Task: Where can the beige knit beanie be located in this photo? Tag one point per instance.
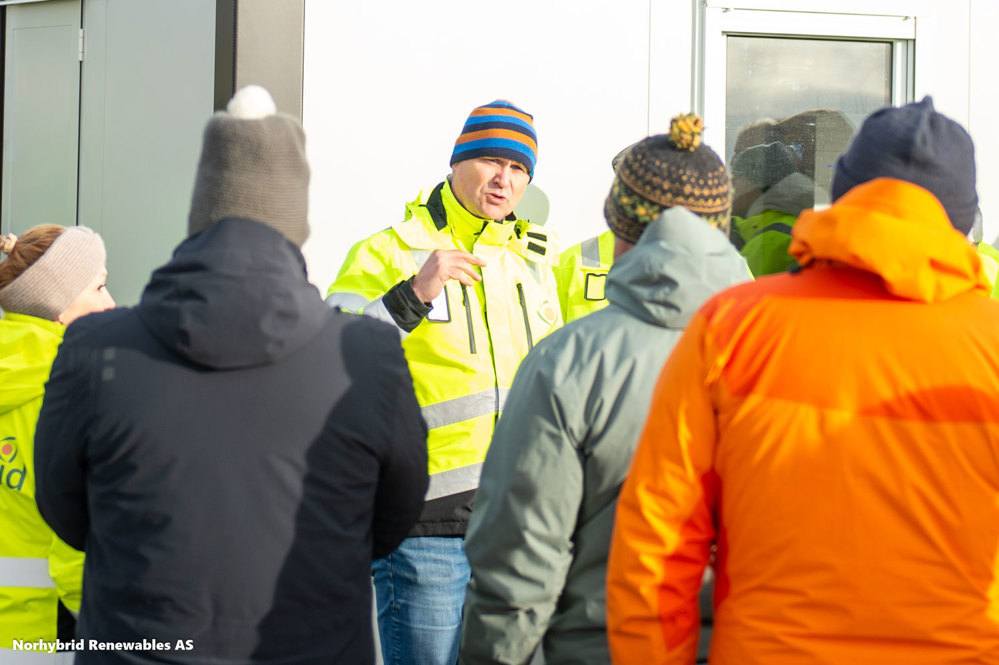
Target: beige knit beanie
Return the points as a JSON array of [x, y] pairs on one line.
[[253, 165], [49, 285]]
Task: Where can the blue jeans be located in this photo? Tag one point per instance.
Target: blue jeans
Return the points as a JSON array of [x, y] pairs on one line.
[[420, 590]]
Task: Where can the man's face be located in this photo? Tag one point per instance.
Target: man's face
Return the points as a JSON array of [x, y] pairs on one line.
[[489, 187]]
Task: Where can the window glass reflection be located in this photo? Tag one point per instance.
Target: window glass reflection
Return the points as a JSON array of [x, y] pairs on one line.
[[792, 106]]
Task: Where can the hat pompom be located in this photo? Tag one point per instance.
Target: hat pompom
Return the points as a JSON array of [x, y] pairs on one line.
[[685, 131], [251, 103]]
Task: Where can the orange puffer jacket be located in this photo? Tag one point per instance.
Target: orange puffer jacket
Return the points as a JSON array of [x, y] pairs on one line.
[[834, 434]]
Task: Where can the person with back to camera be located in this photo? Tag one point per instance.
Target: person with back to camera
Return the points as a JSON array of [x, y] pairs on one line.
[[833, 432], [538, 536], [232, 452], [50, 277]]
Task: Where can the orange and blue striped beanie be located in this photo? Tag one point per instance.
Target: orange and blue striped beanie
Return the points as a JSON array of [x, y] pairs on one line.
[[498, 129]]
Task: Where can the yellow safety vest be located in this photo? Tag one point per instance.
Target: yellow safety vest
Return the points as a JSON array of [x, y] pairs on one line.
[[464, 354], [36, 568], [990, 261], [582, 274]]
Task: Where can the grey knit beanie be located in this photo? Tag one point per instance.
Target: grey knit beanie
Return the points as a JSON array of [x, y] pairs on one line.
[[49, 285], [253, 165], [916, 144]]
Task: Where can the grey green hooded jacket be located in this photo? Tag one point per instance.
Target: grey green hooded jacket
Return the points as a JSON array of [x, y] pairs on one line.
[[540, 530]]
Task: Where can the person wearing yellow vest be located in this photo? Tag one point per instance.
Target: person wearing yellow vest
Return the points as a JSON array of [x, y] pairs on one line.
[[51, 276], [582, 269], [581, 275], [471, 289]]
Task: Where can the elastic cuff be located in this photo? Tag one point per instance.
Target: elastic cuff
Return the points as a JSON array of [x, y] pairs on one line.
[[405, 306]]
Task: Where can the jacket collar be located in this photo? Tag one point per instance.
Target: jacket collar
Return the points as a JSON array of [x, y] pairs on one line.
[[898, 231], [422, 229], [678, 262], [468, 228]]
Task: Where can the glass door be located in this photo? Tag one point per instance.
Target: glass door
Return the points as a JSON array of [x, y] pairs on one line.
[[784, 92]]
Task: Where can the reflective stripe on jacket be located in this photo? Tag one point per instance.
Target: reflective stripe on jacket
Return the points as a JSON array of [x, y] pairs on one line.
[[36, 568], [582, 274], [464, 354], [833, 434]]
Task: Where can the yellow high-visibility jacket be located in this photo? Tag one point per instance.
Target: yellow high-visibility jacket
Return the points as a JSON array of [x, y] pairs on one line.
[[36, 568], [581, 275], [463, 355]]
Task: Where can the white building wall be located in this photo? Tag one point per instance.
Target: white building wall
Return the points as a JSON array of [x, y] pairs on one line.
[[983, 103], [388, 85]]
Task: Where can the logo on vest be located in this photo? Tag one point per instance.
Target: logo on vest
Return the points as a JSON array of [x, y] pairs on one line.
[[11, 475], [547, 313]]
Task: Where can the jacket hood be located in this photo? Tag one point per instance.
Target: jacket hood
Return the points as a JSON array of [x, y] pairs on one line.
[[789, 195], [233, 296], [678, 263], [900, 232], [28, 346]]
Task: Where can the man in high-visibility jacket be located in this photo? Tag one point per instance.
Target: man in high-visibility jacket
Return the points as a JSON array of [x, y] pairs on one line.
[[471, 289]]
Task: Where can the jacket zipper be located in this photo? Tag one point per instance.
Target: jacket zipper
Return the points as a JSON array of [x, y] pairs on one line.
[[468, 318], [527, 319]]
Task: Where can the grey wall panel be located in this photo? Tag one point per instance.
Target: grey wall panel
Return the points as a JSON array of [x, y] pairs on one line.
[[41, 111], [269, 49], [148, 89]]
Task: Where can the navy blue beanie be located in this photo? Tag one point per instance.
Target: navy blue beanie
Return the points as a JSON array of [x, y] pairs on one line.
[[916, 144]]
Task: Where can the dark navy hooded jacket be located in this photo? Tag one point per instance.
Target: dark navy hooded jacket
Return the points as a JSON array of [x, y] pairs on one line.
[[231, 454]]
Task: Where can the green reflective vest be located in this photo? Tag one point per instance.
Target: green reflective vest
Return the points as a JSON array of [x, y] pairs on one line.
[[581, 275], [464, 354], [36, 568], [763, 240]]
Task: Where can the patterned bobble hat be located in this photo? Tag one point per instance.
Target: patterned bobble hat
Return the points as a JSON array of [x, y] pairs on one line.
[[498, 129], [664, 171]]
